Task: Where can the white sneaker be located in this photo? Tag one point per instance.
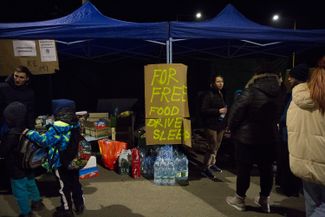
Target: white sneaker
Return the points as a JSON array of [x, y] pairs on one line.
[[264, 203], [237, 202]]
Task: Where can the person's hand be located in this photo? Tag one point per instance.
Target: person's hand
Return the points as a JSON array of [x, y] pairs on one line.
[[25, 131], [227, 133], [223, 110]]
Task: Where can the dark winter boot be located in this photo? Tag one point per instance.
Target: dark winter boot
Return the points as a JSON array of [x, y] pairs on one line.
[[60, 212], [37, 205], [30, 214]]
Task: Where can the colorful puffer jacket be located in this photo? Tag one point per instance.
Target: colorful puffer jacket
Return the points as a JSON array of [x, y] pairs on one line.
[[306, 136], [56, 139]]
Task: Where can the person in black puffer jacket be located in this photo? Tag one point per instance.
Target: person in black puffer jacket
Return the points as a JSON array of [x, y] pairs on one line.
[[213, 110], [253, 122], [23, 183]]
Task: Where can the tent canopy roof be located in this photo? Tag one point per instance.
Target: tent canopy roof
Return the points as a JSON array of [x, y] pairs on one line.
[[88, 33], [85, 23], [230, 34], [231, 24]]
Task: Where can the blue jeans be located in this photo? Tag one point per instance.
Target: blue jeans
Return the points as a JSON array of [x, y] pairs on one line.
[[25, 190], [314, 199]]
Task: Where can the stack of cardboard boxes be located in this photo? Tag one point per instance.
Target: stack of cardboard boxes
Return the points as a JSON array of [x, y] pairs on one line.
[[97, 125]]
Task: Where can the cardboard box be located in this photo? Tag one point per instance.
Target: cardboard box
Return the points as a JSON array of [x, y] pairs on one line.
[[92, 131], [91, 127], [96, 116]]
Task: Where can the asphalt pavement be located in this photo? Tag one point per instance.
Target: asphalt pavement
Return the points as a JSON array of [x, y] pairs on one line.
[[114, 195]]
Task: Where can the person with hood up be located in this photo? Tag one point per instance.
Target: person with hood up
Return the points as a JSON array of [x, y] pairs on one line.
[[253, 122], [61, 151], [306, 139], [23, 183], [289, 184]]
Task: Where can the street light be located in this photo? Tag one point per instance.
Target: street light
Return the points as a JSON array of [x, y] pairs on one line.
[[197, 16], [276, 17]]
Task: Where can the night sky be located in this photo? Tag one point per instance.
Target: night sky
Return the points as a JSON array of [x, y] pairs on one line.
[[307, 14]]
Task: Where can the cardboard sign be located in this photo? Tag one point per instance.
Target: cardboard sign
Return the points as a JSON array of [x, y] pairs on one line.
[[166, 104], [168, 131], [39, 56], [166, 91]]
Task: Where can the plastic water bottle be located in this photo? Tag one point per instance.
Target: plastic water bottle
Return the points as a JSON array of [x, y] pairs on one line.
[[157, 172], [164, 172], [184, 168], [222, 115], [171, 172], [114, 123], [178, 171]]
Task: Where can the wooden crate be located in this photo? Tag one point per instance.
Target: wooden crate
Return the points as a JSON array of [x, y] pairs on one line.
[[92, 131]]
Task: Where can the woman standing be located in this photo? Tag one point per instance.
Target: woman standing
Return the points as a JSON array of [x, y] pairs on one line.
[[213, 110], [306, 139]]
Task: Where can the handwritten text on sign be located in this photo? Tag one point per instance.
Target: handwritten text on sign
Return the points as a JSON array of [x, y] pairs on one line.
[[168, 131], [166, 91], [166, 104]]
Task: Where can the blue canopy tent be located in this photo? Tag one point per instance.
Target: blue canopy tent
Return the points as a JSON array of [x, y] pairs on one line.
[[230, 34], [88, 33]]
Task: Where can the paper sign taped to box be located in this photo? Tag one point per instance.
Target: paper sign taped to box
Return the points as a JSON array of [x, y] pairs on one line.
[[168, 131], [40, 56], [166, 91]]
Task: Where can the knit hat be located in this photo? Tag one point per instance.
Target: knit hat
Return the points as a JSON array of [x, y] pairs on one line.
[[67, 115], [64, 110], [15, 114], [300, 72], [58, 104]]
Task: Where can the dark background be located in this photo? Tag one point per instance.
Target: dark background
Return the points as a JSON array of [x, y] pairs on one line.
[[307, 14], [85, 81]]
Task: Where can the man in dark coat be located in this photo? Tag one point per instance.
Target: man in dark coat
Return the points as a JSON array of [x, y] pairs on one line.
[[253, 122], [15, 88]]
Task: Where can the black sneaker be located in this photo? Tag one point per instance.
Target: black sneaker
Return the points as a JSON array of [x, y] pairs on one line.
[[37, 205], [215, 168], [60, 212], [208, 173], [79, 210]]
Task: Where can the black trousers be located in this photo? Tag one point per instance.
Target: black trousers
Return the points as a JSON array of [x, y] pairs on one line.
[[243, 177], [70, 188], [248, 154], [289, 184]]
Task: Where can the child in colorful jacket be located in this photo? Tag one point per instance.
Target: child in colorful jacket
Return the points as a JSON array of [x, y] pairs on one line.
[[61, 151]]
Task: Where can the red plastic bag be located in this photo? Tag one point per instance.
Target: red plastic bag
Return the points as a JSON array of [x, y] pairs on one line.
[[110, 150]]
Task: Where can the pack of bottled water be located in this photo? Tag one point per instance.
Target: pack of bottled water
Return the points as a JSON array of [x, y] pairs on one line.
[[170, 166]]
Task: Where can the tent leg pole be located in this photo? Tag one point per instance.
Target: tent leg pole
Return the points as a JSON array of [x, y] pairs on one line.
[[167, 51], [170, 50]]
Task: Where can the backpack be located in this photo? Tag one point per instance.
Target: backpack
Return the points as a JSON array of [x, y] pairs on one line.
[[77, 154], [30, 155]]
